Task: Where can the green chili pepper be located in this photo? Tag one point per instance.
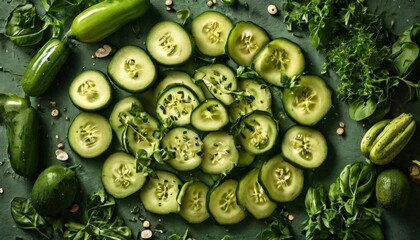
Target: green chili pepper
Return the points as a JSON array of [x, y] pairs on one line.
[[22, 124], [104, 18], [24, 27]]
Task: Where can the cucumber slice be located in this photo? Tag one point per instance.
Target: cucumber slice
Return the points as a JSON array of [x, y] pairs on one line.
[[141, 133], [245, 40], [252, 196], [309, 101], [90, 90], [210, 31], [281, 180], [279, 59], [132, 69], [223, 205], [177, 78], [119, 175], [210, 115], [175, 106], [257, 132], [159, 195], [168, 43], [89, 134], [220, 153], [245, 158], [217, 81], [304, 146], [257, 96], [186, 146], [194, 202]]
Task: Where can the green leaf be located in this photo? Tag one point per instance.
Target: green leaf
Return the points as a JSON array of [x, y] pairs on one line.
[[360, 109], [26, 217], [24, 27], [405, 51]]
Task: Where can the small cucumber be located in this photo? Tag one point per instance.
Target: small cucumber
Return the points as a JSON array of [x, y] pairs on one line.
[[44, 67], [102, 19]]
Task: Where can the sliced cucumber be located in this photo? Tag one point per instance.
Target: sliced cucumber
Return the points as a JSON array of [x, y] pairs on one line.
[[210, 31], [245, 40], [194, 202], [90, 90], [175, 106], [245, 158], [186, 146], [278, 60], [89, 134], [177, 78], [132, 69], [309, 101], [210, 115], [168, 43], [256, 96], [218, 81], [223, 205], [121, 110], [220, 153], [304, 146], [282, 181], [257, 132], [141, 133], [119, 175], [159, 195], [252, 196]]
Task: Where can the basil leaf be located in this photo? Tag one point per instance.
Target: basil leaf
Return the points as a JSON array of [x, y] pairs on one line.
[[24, 27], [360, 109], [26, 217], [405, 51]]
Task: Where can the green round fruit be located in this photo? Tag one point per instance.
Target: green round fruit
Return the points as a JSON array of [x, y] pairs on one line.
[[54, 190], [392, 189]]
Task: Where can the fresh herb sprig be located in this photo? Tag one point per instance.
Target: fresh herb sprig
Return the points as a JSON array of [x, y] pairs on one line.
[[357, 48]]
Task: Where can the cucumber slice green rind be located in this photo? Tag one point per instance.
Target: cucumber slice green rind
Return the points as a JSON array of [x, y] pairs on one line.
[[90, 91], [89, 134], [279, 58], [168, 43], [210, 31], [132, 69], [194, 202], [119, 175], [245, 40], [281, 180], [252, 196], [223, 205], [187, 147], [210, 115], [304, 146], [159, 195]]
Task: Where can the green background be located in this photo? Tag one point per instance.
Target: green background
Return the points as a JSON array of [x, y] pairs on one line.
[[397, 15]]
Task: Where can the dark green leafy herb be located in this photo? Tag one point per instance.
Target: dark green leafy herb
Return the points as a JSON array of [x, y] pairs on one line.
[[341, 213], [24, 27], [99, 220], [359, 52], [176, 236], [405, 51], [26, 217], [277, 228]]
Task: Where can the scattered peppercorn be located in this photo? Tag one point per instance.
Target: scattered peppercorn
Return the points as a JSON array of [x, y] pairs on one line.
[[146, 234], [55, 112], [272, 9]]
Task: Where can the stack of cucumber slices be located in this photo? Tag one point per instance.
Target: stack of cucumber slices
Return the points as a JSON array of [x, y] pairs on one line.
[[207, 123]]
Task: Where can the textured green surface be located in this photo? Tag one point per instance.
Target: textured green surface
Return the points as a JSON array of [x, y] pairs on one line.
[[401, 224]]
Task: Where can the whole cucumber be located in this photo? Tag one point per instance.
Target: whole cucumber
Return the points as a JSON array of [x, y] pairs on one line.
[[102, 19], [44, 67], [386, 139], [22, 124]]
